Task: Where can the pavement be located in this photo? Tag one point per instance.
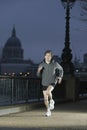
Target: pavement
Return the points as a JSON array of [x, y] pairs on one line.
[[65, 116]]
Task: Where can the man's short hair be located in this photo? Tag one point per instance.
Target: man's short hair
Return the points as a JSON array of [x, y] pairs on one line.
[[48, 51]]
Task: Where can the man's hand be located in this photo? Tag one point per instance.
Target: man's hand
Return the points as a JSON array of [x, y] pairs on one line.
[[59, 80], [39, 69]]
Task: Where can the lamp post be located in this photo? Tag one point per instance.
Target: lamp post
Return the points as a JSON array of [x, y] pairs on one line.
[[66, 54]]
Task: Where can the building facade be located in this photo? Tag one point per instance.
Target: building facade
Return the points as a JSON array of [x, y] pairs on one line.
[[12, 57]]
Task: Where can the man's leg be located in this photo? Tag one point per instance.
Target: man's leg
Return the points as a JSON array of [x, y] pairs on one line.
[[49, 92], [46, 102]]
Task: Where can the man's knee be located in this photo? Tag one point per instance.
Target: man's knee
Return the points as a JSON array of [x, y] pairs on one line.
[[47, 92], [50, 88], [46, 100]]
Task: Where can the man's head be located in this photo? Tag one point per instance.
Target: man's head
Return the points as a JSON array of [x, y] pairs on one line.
[[48, 56]]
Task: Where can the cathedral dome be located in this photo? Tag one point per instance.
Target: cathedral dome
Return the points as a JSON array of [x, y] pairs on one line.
[[12, 51], [13, 41]]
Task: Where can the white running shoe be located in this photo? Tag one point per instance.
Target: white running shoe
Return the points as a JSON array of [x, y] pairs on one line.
[[52, 102], [48, 113]]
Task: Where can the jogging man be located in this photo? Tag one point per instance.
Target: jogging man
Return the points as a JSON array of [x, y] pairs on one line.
[[51, 73]]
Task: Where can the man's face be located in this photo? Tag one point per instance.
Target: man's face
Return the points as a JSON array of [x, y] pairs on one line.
[[48, 57]]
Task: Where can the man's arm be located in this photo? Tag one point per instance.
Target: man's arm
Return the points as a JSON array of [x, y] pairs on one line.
[[39, 71], [59, 80], [59, 73]]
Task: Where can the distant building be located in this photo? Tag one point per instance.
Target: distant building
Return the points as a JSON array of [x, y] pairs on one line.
[[57, 58], [85, 58], [12, 58], [76, 62], [12, 51]]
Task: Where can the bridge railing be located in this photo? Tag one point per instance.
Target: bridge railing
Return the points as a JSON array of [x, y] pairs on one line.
[[19, 89], [24, 89]]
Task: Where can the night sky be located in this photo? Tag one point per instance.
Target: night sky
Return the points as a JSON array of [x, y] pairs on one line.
[[40, 25]]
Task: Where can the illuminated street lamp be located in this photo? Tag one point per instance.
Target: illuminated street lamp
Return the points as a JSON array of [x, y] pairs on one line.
[[67, 55]]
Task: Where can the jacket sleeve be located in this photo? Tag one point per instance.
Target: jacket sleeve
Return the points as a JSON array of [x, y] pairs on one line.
[[39, 73], [59, 70]]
